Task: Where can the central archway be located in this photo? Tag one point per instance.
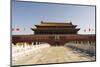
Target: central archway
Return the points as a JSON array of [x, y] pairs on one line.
[[56, 43]]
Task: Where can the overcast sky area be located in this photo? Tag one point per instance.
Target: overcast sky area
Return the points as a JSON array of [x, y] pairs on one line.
[[26, 14]]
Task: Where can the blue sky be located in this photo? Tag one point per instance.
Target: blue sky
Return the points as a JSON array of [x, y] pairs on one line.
[[26, 14]]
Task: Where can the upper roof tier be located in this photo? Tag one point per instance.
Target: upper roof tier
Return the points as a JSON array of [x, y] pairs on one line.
[[55, 24]]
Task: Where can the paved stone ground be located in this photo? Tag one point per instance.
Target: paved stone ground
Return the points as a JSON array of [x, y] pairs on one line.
[[53, 54]]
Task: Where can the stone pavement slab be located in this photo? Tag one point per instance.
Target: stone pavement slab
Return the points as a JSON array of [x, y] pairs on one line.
[[54, 54]]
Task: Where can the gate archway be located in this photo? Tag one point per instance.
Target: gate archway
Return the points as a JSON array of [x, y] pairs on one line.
[[56, 43]]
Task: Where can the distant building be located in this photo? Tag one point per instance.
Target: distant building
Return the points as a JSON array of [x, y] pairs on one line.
[[55, 28]]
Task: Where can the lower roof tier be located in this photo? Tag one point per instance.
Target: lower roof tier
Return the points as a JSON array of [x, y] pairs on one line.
[[50, 29]]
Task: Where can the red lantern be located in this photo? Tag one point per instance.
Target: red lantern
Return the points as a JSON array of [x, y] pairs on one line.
[[17, 29], [12, 29], [92, 29], [85, 30], [89, 29]]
